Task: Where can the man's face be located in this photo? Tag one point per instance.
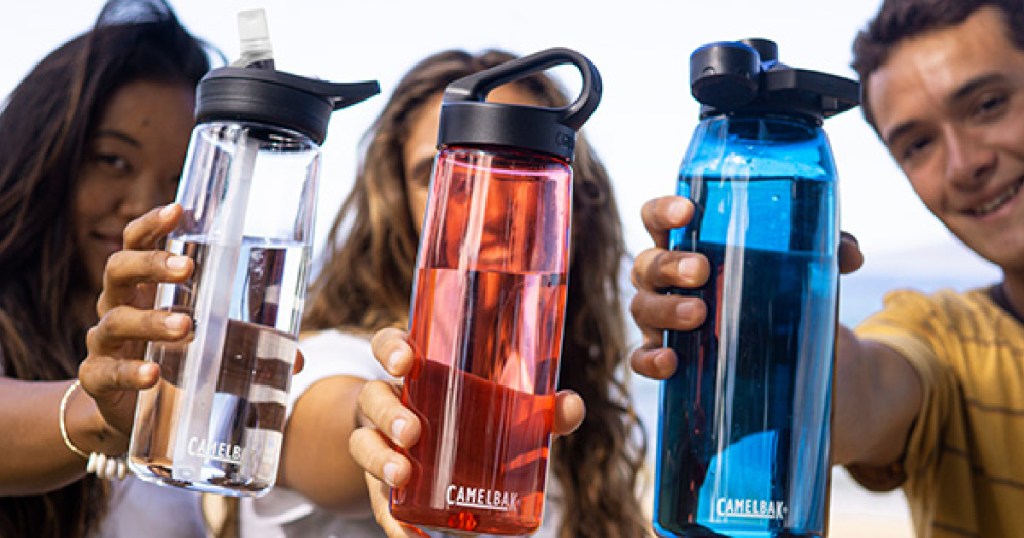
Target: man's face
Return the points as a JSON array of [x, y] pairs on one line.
[[949, 105]]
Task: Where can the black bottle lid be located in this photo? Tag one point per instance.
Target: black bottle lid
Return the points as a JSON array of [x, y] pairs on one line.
[[276, 98], [467, 119], [746, 76]]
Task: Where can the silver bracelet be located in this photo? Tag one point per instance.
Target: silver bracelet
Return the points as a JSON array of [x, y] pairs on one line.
[[106, 467]]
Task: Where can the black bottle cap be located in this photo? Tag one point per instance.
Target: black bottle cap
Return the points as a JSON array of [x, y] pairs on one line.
[[467, 119], [746, 76], [276, 98]]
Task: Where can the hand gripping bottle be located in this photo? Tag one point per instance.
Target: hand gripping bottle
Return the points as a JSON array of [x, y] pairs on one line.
[[213, 422], [743, 433], [488, 304]]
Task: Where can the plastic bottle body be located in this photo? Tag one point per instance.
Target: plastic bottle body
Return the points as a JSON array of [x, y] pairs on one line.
[[486, 328], [744, 428], [213, 422]]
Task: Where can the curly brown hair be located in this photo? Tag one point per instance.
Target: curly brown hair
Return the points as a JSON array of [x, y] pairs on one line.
[[366, 283]]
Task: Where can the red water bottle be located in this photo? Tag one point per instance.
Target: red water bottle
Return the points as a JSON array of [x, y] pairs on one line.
[[489, 302]]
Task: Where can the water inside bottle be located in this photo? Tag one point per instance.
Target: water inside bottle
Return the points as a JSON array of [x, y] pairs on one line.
[[240, 448], [743, 444], [487, 344]]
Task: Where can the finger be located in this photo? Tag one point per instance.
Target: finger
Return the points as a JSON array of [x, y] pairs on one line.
[[380, 495], [392, 351], [657, 268], [663, 214], [657, 363], [376, 457], [300, 362], [126, 324], [126, 269], [656, 311], [378, 403], [850, 256], [105, 377], [569, 412], [146, 232]]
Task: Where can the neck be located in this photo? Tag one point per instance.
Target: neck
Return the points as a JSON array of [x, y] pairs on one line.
[[1013, 287]]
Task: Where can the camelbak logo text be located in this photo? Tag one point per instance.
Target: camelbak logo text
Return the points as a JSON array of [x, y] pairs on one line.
[[487, 499], [750, 508], [212, 450]]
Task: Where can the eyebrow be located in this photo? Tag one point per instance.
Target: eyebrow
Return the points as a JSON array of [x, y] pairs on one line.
[[118, 135], [966, 89]]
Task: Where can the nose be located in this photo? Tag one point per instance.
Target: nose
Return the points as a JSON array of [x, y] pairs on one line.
[[141, 195], [969, 161]]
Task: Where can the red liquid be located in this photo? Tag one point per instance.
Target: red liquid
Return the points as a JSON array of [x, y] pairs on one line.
[[487, 321]]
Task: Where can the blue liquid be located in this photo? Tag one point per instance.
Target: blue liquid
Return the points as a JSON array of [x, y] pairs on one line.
[[743, 445]]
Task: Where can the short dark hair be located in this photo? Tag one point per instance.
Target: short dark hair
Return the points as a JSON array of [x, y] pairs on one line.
[[898, 20]]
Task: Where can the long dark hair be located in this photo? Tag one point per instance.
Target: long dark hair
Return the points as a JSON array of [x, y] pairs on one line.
[[898, 20], [366, 283], [45, 126]]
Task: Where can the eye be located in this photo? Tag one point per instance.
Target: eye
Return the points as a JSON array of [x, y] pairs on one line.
[[112, 162], [914, 146], [989, 107]]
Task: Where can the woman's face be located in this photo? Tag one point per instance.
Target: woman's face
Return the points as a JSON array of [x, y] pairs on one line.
[[421, 146], [132, 163]]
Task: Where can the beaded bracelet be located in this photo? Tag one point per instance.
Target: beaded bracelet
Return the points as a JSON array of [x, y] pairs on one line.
[[106, 467]]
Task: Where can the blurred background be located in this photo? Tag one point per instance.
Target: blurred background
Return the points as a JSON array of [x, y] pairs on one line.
[[640, 130]]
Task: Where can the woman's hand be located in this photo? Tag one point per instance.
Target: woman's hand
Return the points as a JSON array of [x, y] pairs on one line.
[[113, 371], [658, 268], [385, 419]]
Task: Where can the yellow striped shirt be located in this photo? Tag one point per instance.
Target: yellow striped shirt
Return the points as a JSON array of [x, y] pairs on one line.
[[963, 468]]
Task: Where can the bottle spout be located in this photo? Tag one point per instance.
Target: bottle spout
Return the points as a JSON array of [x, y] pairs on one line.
[[254, 40]]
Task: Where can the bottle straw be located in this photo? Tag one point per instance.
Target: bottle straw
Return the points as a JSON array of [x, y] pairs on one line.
[[213, 302]]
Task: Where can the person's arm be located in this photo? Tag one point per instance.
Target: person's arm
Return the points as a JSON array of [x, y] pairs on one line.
[[35, 459], [877, 393], [315, 460], [878, 396]]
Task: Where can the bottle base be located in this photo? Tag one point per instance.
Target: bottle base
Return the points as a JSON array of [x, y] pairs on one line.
[[220, 485], [464, 523], [699, 531]]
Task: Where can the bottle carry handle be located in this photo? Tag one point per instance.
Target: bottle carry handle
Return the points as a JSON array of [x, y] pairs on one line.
[[477, 86]]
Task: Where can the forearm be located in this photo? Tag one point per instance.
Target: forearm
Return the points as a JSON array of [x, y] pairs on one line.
[[316, 461], [35, 458], [877, 398]]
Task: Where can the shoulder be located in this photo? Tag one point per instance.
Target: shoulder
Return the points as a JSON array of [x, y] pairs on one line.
[[944, 310], [331, 352], [333, 341]]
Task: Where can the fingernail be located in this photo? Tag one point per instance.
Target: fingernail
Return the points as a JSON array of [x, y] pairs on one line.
[[397, 427], [167, 211], [393, 360], [175, 321], [177, 263], [148, 368], [688, 266], [390, 470], [676, 210], [684, 310]]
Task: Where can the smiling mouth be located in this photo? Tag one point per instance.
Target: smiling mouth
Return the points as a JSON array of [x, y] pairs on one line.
[[998, 201]]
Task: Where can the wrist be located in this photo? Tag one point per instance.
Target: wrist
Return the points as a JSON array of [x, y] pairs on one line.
[[87, 430]]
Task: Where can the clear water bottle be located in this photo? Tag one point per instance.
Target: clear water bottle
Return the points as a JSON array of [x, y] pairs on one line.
[[214, 421], [744, 423], [488, 305]]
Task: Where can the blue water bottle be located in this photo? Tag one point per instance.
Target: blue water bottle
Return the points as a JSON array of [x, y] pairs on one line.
[[743, 434]]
